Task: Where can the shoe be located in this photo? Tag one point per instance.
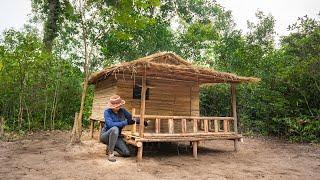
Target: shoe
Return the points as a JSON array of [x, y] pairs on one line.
[[111, 157]]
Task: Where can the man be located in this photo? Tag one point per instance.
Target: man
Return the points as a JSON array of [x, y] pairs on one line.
[[116, 117]]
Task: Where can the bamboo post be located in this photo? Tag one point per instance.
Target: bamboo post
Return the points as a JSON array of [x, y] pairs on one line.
[[206, 125], [216, 126], [157, 125], [100, 128], [171, 126], [183, 125], [143, 106], [234, 114], [91, 128], [225, 125], [134, 126], [195, 149], [195, 125], [139, 154]]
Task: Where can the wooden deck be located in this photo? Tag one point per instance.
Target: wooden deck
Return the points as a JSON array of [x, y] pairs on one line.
[[204, 129]]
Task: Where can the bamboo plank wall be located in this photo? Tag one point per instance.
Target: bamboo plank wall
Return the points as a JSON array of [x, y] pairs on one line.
[[102, 92], [165, 98]]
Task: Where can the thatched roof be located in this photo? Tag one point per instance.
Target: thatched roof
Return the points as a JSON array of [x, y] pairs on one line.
[[171, 66]]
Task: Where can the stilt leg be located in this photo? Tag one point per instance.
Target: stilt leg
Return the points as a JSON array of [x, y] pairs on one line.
[[139, 154], [195, 149], [100, 128], [236, 145]]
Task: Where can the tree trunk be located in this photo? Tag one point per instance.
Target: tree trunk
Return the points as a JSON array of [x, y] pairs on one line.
[[1, 127], [76, 130]]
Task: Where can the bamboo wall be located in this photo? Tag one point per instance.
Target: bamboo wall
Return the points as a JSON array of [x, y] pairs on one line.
[[165, 98], [102, 92]]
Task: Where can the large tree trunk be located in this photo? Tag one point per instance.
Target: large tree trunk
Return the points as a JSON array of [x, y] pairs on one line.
[[51, 24]]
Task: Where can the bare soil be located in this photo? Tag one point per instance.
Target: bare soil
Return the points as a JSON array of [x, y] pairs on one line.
[[47, 155]]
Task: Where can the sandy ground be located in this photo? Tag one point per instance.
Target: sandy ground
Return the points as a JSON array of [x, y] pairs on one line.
[[47, 155]]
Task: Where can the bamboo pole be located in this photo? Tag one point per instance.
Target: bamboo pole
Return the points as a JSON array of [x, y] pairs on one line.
[[234, 107], [134, 126], [216, 126], [171, 126], [195, 149], [143, 105], [183, 125], [206, 125], [195, 125], [91, 128], [157, 125], [234, 114]]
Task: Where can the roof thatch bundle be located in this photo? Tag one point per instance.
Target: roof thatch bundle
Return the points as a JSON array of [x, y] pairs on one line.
[[169, 66]]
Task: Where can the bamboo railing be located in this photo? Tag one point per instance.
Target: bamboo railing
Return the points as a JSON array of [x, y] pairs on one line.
[[201, 125]]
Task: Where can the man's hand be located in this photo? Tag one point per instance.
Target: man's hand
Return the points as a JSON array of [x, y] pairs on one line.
[[130, 121]]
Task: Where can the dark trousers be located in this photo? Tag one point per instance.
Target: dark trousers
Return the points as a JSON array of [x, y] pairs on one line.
[[113, 140]]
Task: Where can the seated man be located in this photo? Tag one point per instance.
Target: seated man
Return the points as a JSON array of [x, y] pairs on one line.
[[116, 117]]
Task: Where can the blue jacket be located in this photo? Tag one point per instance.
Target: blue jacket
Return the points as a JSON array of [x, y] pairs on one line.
[[119, 120]]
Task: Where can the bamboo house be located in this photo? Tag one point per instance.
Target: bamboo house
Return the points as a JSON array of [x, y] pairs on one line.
[[163, 88]]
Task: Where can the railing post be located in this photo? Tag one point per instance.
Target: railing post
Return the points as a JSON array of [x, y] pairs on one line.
[[216, 126], [134, 126], [157, 125], [206, 125], [195, 125], [171, 126], [183, 125]]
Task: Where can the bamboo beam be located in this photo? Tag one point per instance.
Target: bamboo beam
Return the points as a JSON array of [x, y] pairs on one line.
[[143, 106], [157, 125], [171, 126], [183, 125], [211, 118]]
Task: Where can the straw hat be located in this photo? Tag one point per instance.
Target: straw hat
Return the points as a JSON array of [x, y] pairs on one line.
[[115, 101]]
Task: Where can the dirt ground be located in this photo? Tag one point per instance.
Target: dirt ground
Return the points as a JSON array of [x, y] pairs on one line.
[[47, 155]]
